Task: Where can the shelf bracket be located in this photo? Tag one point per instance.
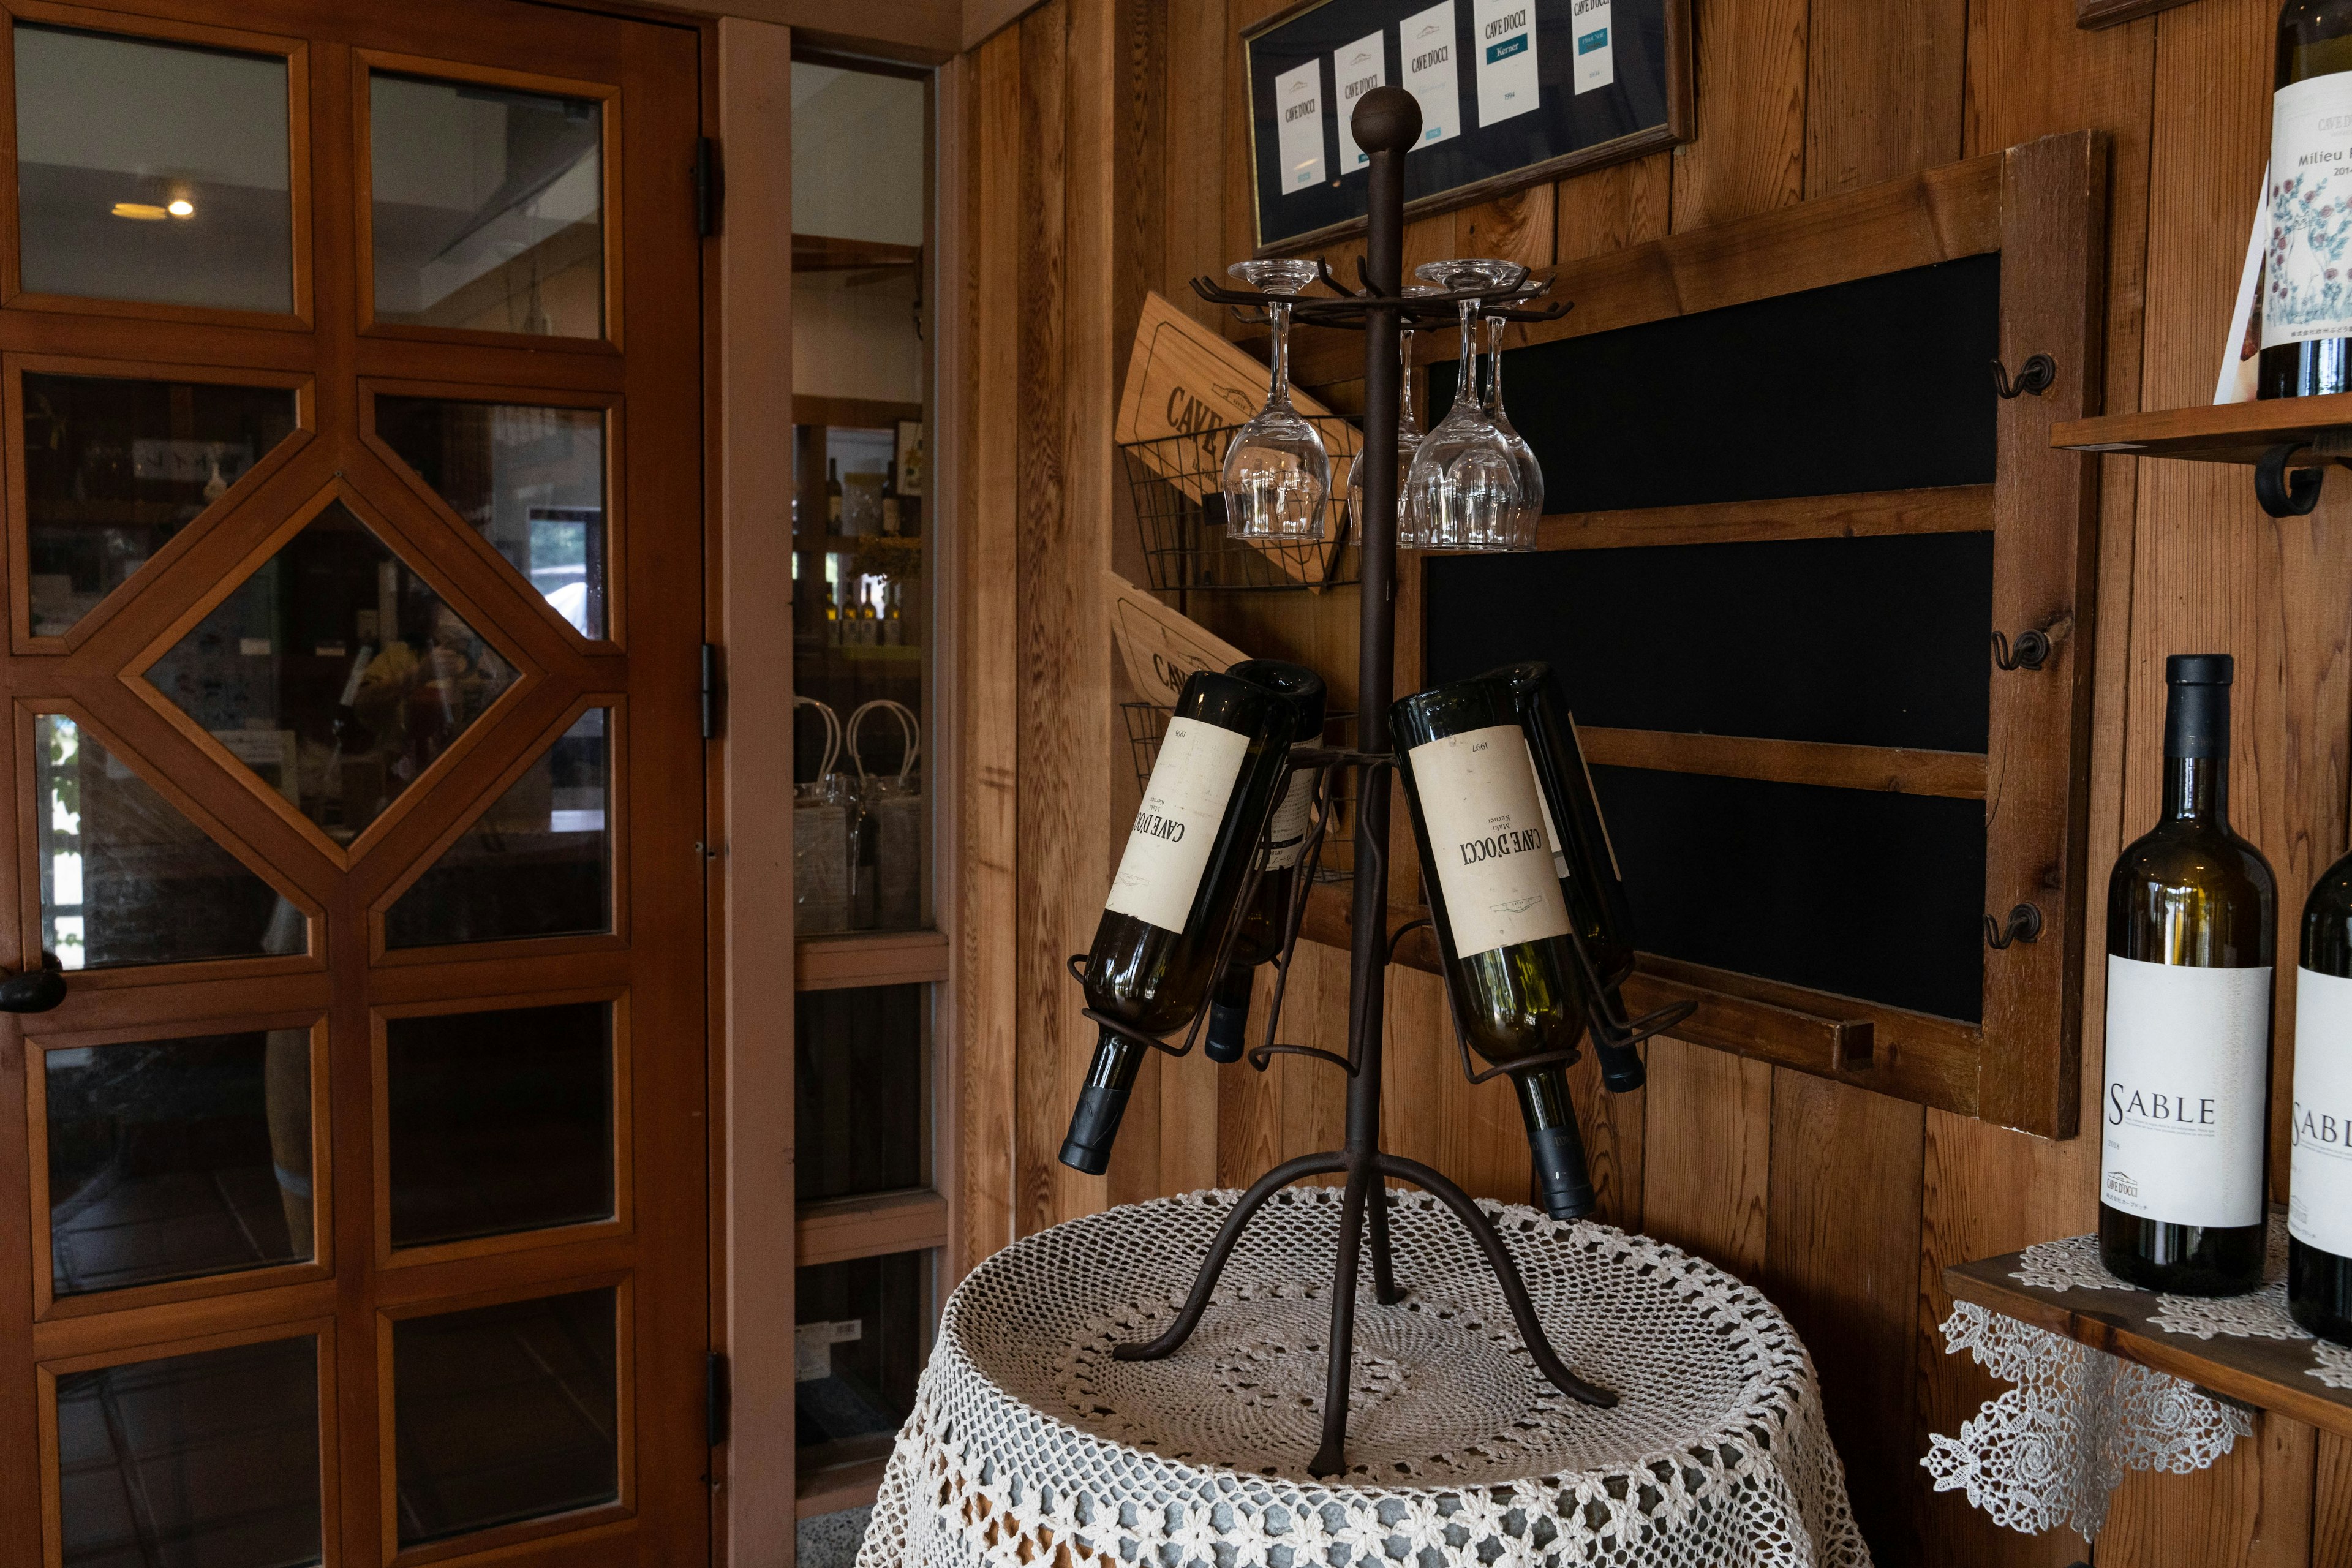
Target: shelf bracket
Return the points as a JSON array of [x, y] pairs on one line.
[[2282, 494]]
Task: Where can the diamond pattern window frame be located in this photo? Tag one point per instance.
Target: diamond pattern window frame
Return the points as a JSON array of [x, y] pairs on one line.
[[29, 710], [616, 817], [321, 1329], [615, 639], [623, 1224], [618, 1281], [168, 31], [610, 152], [530, 674], [253, 481], [46, 1306]]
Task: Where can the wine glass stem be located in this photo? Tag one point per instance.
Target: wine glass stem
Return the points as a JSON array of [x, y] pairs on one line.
[[1407, 419], [1495, 364], [1278, 391], [1466, 391]]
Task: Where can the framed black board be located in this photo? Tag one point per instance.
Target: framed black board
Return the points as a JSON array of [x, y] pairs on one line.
[[1513, 93]]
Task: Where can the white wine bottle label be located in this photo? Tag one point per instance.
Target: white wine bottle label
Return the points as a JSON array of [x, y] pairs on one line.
[[2306, 272], [1551, 828], [2319, 1177], [1176, 827], [1291, 820], [1484, 815], [2183, 1115]]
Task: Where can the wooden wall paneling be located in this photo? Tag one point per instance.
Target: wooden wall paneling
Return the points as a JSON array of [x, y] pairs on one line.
[[1750, 57], [1707, 1153], [2249, 1509], [987, 939], [1883, 91], [1052, 764], [1841, 1249], [1194, 127], [2331, 1504]]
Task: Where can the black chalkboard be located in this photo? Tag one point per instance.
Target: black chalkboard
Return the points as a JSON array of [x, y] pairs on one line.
[[1882, 384], [1631, 108]]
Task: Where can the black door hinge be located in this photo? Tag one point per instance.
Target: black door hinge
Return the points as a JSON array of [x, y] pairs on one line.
[[710, 187], [710, 691], [714, 1393]]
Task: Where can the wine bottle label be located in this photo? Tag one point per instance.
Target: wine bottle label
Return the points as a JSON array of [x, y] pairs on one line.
[[1291, 820], [1551, 828], [1183, 805], [2319, 1176], [1484, 815], [2306, 272], [2181, 1118]]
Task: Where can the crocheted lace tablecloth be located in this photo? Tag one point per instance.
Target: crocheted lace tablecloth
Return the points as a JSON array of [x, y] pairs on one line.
[[2051, 1451], [1026, 1437]]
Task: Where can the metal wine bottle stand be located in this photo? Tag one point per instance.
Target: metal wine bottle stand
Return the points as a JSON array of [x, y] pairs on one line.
[[1386, 122]]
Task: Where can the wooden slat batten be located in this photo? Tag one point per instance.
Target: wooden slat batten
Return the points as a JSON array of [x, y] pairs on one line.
[[1893, 769], [2045, 508], [1865, 514], [1890, 1051], [1938, 215]]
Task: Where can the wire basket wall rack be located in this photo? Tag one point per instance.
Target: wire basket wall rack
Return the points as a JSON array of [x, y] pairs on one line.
[[1177, 485]]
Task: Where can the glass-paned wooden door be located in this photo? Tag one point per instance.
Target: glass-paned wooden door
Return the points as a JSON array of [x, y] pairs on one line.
[[354, 1198]]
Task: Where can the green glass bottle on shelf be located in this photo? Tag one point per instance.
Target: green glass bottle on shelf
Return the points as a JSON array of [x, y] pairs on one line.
[[1495, 897], [1265, 919], [1221, 766], [2192, 928], [2319, 1176], [2306, 296]]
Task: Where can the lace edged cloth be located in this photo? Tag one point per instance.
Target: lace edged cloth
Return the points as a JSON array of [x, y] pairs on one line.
[[1027, 1438], [2051, 1451]]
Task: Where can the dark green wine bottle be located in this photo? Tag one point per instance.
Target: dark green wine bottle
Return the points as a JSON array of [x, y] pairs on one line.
[[1221, 763], [1495, 897], [2306, 297], [1266, 917], [1590, 880], [2319, 1178], [2191, 927]]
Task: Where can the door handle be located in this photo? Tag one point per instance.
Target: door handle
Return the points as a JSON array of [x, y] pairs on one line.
[[36, 990]]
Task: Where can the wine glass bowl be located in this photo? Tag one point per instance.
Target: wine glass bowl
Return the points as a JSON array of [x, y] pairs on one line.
[[1277, 475], [1531, 476], [1464, 490]]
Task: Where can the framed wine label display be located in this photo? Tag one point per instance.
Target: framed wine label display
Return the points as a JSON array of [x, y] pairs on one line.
[[1850, 818], [1512, 92]]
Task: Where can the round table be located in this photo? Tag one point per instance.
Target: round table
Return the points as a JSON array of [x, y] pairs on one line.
[[1026, 1435]]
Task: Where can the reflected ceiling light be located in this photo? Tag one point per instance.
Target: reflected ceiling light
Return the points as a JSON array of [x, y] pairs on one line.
[[182, 207], [140, 212]]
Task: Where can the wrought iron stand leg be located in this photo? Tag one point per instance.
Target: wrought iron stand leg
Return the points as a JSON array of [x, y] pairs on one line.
[[1339, 1349], [1384, 1285], [1205, 1282], [1507, 1273]]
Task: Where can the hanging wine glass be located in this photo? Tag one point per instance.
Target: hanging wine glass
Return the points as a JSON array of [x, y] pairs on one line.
[[1277, 475], [1408, 435], [1531, 478], [1463, 492]]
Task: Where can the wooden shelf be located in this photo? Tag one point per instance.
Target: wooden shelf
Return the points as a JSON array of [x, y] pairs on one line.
[[2223, 433], [845, 960], [827, 253], [2268, 1373]]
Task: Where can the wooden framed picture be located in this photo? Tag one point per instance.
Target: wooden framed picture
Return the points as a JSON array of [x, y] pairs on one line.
[[1512, 92]]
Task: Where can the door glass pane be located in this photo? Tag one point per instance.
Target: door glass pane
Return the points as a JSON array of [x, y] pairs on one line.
[[538, 863], [127, 878], [530, 480], [500, 1121], [152, 171], [335, 673], [864, 1328], [488, 208], [861, 1090], [210, 1460], [170, 1158], [114, 467], [505, 1413]]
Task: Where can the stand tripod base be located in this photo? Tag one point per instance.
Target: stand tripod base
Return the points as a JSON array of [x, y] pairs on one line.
[[1366, 1191]]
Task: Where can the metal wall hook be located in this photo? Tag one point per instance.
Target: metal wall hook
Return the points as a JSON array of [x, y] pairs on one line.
[[2282, 494], [2031, 650], [2034, 376], [36, 990], [2024, 925]]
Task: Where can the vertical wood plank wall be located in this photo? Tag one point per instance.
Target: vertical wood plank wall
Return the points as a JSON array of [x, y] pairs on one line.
[[1110, 157]]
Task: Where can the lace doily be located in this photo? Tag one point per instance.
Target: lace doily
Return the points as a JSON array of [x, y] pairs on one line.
[[1027, 1438], [2074, 1263], [2335, 1368], [2051, 1450]]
